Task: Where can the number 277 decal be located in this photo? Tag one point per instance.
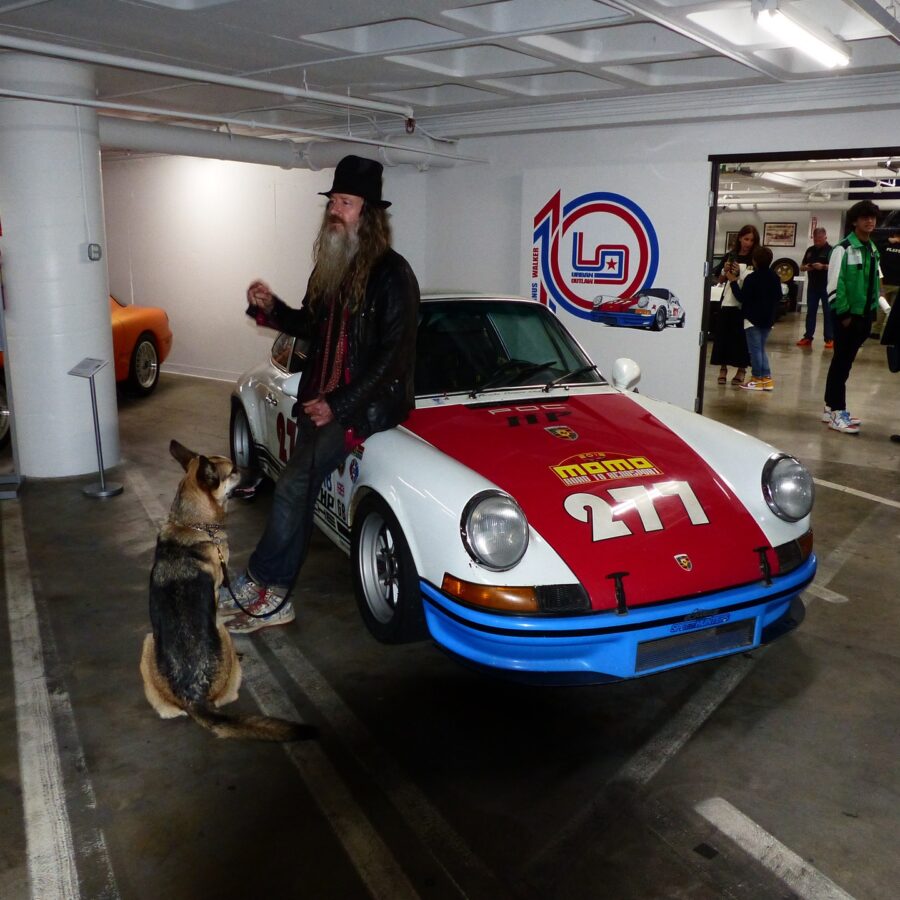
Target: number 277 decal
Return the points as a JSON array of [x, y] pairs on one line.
[[603, 516]]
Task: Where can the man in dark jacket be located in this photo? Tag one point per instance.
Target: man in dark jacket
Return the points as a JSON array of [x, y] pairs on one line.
[[359, 316]]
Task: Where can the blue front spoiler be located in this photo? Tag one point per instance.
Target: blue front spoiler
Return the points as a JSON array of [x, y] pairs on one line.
[[630, 320], [600, 647]]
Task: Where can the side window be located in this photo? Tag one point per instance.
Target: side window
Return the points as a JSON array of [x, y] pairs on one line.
[[281, 351]]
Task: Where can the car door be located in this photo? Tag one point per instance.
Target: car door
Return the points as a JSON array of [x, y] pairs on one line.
[[288, 357]]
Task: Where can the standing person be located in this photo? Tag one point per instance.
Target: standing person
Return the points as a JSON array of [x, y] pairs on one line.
[[815, 264], [759, 297], [359, 315], [853, 275], [889, 253], [729, 344], [890, 337]]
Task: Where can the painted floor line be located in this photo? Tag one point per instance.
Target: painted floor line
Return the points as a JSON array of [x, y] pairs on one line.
[[447, 847], [51, 859], [804, 879], [864, 494], [369, 855]]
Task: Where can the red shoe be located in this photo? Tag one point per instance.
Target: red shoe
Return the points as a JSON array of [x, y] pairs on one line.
[[805, 342], [829, 345]]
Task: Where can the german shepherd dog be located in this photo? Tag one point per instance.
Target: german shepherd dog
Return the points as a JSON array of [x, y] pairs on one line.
[[188, 663]]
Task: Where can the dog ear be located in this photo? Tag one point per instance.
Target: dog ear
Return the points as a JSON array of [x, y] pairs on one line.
[[181, 453], [207, 473]]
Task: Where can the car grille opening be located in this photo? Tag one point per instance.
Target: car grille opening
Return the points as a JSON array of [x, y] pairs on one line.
[[557, 598], [703, 642]]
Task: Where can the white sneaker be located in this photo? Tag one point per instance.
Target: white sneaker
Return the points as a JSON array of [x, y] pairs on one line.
[[841, 421], [826, 417]]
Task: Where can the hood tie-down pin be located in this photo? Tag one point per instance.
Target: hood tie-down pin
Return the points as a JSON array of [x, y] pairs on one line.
[[764, 566], [621, 606]]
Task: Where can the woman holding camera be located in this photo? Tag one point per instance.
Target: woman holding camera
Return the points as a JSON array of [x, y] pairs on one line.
[[729, 342]]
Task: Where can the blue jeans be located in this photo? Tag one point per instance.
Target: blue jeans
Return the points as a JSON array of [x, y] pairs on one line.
[[282, 548], [756, 344], [812, 306]]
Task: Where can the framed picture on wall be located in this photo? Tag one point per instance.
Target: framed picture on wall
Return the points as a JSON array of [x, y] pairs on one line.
[[730, 240], [780, 234]]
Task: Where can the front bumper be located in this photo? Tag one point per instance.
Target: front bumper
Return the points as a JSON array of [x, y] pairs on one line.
[[605, 646], [630, 320]]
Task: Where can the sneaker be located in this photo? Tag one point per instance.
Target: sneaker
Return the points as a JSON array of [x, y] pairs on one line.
[[840, 421], [271, 609], [243, 589], [826, 417], [804, 342], [758, 384], [829, 345]]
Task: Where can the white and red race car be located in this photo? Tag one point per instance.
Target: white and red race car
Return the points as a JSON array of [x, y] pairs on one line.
[[535, 519]]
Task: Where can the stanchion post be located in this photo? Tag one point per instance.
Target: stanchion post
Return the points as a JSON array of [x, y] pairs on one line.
[[88, 368]]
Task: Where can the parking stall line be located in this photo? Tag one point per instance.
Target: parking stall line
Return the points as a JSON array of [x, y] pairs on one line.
[[368, 853], [51, 859], [447, 848], [802, 878], [863, 494]]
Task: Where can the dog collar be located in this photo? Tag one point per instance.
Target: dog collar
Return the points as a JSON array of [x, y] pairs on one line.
[[211, 530]]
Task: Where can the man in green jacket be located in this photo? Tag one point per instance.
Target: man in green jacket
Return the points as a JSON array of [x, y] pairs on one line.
[[853, 288]]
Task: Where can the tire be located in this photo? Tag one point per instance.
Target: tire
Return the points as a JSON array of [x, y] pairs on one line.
[[681, 321], [243, 449], [659, 320], [385, 580], [4, 414], [786, 269], [143, 371]]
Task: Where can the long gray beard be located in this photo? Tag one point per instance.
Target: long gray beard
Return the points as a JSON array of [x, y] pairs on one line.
[[335, 250]]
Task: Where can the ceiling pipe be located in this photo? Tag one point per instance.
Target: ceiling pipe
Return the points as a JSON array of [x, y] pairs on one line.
[[414, 150], [186, 74], [151, 137]]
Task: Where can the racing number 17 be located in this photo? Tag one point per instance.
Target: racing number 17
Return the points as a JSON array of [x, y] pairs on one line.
[[600, 514]]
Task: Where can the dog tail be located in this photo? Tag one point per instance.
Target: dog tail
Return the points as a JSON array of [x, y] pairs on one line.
[[252, 728]]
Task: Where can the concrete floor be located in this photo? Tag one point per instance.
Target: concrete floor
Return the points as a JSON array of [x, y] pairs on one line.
[[768, 775]]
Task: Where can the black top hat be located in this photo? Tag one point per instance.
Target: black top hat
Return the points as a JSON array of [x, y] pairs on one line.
[[360, 177]]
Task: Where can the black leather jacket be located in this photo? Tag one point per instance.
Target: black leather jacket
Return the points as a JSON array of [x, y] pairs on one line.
[[381, 352]]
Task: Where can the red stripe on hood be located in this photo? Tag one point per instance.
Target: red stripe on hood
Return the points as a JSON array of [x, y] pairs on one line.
[[679, 531]]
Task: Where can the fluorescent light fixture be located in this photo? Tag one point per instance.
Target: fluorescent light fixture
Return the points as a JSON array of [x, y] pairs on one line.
[[787, 25], [782, 181]]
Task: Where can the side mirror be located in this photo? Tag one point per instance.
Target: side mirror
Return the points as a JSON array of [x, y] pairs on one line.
[[626, 374], [291, 385]]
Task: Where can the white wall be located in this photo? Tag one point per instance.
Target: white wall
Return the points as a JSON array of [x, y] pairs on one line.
[[190, 234]]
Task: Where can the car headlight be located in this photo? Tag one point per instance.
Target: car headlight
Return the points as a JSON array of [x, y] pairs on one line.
[[494, 530], [788, 487], [643, 302]]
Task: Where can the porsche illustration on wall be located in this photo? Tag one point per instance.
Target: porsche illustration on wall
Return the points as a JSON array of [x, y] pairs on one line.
[[651, 308]]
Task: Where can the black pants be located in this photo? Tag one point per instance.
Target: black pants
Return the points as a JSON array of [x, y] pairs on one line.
[[847, 341]]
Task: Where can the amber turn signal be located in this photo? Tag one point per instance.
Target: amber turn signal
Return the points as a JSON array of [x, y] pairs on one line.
[[508, 599]]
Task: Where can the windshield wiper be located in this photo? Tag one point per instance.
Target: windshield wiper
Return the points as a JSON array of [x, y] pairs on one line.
[[582, 371], [520, 369]]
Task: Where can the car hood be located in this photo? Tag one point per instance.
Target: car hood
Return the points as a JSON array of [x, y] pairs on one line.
[[620, 304], [617, 494]]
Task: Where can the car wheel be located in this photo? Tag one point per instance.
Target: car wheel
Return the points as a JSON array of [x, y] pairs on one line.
[[243, 450], [659, 320], [4, 415], [384, 575], [786, 269], [681, 321], [143, 373]]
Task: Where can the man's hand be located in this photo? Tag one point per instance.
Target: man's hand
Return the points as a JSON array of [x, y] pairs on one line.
[[259, 294], [319, 411]]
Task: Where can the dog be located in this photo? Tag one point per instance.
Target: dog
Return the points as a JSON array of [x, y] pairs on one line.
[[189, 665]]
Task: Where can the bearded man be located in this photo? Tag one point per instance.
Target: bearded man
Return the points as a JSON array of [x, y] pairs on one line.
[[359, 316]]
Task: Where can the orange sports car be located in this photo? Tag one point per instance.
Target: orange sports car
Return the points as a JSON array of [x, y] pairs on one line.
[[142, 339]]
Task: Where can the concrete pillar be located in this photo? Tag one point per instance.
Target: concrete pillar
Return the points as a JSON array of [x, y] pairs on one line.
[[57, 299]]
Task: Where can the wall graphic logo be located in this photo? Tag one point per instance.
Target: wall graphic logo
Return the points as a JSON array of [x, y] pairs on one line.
[[598, 243]]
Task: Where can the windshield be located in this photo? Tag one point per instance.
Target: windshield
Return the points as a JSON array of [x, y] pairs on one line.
[[475, 345]]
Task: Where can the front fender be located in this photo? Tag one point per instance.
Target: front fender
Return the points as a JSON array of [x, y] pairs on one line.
[[427, 494]]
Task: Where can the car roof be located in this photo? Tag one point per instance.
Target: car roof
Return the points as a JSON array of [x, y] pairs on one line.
[[472, 295]]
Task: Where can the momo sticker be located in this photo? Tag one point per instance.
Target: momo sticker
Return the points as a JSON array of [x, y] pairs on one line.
[[594, 465]]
